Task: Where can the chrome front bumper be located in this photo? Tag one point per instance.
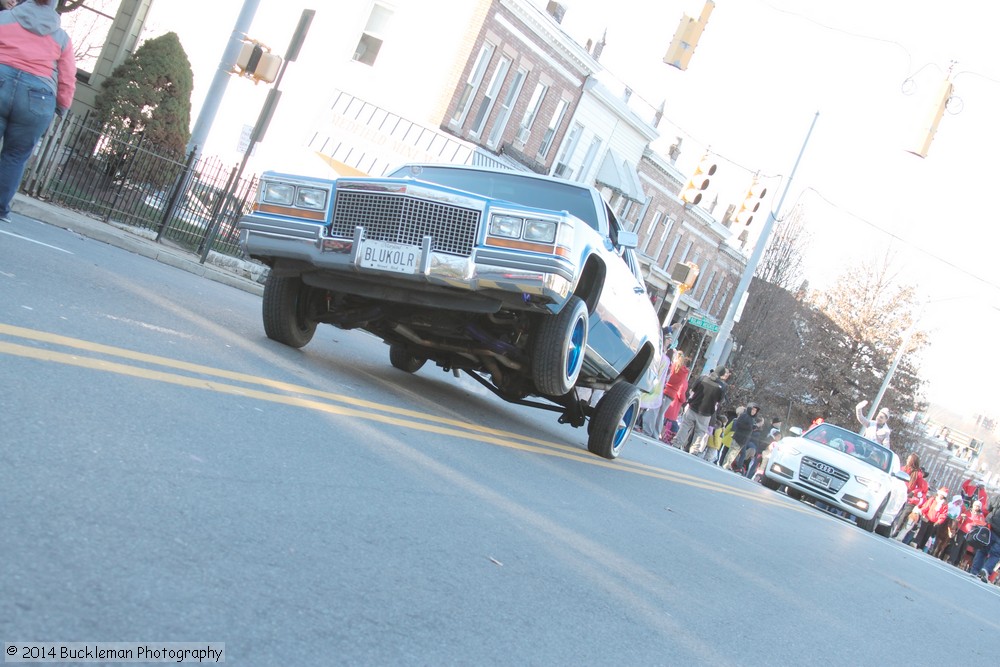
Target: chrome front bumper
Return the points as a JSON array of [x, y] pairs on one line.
[[545, 279]]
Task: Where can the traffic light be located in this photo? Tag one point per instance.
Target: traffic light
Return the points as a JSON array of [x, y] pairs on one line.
[[686, 38], [927, 132], [684, 274], [698, 183], [750, 204], [256, 62]]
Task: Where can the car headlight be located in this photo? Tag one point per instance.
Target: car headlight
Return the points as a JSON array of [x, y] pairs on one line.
[[314, 198], [507, 226], [872, 484], [278, 193], [540, 231]]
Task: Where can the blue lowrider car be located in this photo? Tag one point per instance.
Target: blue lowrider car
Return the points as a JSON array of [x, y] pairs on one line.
[[527, 283]]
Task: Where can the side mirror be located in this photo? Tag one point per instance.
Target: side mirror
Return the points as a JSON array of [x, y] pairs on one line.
[[901, 474], [628, 239]]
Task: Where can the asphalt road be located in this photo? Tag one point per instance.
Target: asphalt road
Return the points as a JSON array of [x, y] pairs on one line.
[[169, 474]]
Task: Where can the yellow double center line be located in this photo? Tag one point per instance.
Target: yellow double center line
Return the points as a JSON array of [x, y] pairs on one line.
[[276, 391]]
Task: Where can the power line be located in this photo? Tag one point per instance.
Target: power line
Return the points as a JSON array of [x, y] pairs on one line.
[[961, 269]]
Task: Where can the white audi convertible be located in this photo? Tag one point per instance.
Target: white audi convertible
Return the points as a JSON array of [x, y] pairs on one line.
[[842, 469]]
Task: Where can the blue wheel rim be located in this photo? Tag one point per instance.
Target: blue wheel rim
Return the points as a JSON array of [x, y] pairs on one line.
[[624, 426], [575, 352]]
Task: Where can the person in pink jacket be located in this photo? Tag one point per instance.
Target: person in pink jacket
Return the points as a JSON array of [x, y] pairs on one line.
[[674, 394], [37, 79]]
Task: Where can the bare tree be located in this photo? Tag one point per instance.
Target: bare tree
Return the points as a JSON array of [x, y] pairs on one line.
[[866, 317], [88, 29], [767, 348]]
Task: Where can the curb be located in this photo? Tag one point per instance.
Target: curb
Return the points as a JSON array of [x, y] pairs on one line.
[[232, 271]]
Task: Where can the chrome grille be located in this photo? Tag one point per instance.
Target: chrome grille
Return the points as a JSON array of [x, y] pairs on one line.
[[825, 468], [404, 219]]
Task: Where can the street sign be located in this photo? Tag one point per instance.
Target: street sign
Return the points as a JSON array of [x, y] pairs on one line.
[[703, 324]]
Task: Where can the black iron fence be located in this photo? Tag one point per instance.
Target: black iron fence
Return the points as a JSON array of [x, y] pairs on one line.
[[194, 203]]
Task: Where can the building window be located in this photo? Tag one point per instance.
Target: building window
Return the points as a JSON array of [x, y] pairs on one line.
[[534, 104], [589, 158], [490, 96], [569, 147], [472, 84], [650, 231], [500, 124], [550, 131], [663, 236], [374, 33], [670, 255]]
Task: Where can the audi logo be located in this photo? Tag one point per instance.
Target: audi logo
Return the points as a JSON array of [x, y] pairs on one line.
[[822, 467]]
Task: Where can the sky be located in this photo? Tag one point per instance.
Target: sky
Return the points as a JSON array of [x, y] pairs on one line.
[[760, 74]]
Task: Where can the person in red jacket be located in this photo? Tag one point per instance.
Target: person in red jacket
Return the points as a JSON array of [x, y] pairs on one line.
[[969, 520], [933, 513], [916, 493], [972, 491]]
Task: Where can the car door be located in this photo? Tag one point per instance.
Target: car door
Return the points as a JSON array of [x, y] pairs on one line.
[[624, 308]]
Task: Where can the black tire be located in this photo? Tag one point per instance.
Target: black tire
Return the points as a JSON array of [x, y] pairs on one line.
[[770, 483], [794, 494], [613, 419], [559, 346], [871, 523], [400, 357], [284, 310]]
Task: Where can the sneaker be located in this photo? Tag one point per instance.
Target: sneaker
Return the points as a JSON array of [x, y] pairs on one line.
[[984, 576], [4, 218]]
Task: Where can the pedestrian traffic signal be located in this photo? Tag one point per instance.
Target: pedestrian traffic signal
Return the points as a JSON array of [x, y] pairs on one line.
[[750, 204], [686, 38], [256, 62], [684, 274], [698, 183]]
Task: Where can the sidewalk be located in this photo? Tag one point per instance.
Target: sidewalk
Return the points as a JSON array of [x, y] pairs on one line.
[[231, 271]]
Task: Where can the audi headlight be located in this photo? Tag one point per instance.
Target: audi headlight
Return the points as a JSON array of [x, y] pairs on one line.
[[507, 226], [872, 484], [540, 231], [278, 193], [314, 198]]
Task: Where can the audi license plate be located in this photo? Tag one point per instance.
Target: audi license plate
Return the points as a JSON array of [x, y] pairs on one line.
[[389, 256], [819, 478]]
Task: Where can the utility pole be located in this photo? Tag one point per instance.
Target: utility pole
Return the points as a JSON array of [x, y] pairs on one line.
[[206, 116], [714, 353], [263, 120]]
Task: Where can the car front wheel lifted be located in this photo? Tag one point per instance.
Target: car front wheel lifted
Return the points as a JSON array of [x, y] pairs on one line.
[[559, 347]]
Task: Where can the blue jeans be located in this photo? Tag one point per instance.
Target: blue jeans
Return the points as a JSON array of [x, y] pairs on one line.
[[27, 105], [987, 557]]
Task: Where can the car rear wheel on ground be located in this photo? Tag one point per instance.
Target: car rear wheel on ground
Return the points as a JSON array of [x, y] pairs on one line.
[[402, 358], [284, 310], [613, 419], [560, 343]]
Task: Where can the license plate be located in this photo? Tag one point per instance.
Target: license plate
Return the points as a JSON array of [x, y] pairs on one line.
[[389, 256], [819, 478]]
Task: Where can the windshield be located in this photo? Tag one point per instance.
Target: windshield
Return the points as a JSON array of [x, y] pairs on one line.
[[515, 188], [851, 443]]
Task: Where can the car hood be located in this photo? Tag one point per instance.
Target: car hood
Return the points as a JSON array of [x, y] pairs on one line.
[[834, 457]]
